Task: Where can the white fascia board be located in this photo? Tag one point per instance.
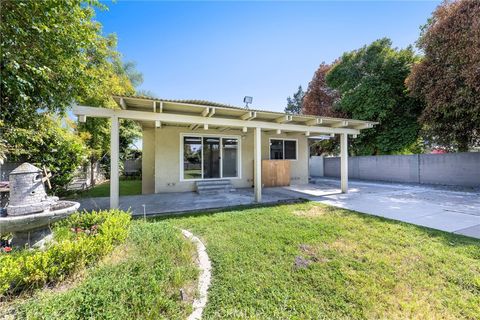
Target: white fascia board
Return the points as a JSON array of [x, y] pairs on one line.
[[214, 122]]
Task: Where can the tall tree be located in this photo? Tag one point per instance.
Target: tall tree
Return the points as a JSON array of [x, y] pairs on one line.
[[52, 53], [371, 84], [320, 98], [448, 76], [294, 105]]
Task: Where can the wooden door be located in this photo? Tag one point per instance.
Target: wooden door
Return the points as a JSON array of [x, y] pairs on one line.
[[275, 173]]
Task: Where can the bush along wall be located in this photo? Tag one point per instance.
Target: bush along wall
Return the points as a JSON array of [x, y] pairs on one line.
[[79, 241]]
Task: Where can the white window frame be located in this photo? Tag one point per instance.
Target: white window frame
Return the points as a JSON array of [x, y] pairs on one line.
[[220, 136], [282, 139]]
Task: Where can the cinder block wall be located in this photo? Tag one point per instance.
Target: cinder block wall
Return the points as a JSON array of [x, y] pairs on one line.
[[461, 169]]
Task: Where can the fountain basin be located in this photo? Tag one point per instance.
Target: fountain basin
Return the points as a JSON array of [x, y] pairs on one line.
[[34, 229]]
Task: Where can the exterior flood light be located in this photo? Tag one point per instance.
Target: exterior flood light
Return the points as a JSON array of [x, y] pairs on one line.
[[247, 100]]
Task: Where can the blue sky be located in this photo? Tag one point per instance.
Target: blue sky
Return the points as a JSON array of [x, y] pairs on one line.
[[222, 51]]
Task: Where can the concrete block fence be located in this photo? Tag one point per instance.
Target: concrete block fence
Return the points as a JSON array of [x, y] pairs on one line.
[[459, 169]]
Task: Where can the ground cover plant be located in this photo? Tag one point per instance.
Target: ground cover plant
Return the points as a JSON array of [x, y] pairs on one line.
[[310, 261], [152, 276], [79, 241]]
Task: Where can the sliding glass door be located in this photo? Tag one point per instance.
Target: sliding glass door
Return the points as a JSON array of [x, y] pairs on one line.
[[210, 157], [230, 157]]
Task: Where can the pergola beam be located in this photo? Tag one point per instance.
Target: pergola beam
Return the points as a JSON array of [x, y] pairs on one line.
[[211, 113], [364, 126], [340, 124], [122, 103], [314, 122], [344, 162], [114, 167], [257, 164], [213, 121], [249, 116], [284, 119], [205, 111]]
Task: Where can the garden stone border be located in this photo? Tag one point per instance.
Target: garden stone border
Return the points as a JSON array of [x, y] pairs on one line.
[[205, 267]]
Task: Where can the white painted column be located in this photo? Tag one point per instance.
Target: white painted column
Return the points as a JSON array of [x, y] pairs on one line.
[[344, 162], [114, 170], [257, 164]]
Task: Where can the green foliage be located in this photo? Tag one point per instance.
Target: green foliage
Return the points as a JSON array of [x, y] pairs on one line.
[[52, 53], [371, 83], [69, 252], [294, 105], [139, 280], [447, 78], [47, 143]]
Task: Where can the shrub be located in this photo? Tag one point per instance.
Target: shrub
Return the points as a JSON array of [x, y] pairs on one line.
[[79, 241]]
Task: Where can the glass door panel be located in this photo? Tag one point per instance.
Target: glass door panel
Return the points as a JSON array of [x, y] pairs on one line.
[[229, 157], [211, 157], [192, 158]]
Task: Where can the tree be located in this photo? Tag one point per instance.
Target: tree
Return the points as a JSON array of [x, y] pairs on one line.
[[448, 76], [52, 53], [371, 84], [294, 105], [96, 131], [320, 98], [50, 144]]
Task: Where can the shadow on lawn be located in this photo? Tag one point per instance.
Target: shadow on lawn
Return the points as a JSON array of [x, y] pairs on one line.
[[237, 208]]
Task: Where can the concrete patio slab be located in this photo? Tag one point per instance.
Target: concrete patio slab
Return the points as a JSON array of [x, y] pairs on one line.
[[442, 208], [178, 202]]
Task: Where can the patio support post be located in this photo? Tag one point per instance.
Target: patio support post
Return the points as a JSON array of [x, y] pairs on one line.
[[344, 162], [114, 171], [257, 164]]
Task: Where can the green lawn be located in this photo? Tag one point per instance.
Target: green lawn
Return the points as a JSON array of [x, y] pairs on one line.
[[140, 280], [296, 261], [127, 188], [308, 261]]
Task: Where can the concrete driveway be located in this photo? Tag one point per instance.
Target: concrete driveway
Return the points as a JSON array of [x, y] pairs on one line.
[[450, 210]]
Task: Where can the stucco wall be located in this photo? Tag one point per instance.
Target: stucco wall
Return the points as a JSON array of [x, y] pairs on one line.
[[161, 165], [462, 169]]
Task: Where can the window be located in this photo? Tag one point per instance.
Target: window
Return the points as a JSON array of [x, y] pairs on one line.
[[210, 157], [281, 149]]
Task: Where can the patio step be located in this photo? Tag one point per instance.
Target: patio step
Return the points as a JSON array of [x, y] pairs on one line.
[[214, 186]]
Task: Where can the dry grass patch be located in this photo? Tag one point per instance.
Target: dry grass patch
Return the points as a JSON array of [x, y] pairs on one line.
[[312, 212]]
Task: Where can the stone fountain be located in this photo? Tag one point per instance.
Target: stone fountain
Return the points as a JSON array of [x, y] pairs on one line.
[[30, 211]]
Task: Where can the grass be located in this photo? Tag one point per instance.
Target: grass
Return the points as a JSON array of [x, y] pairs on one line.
[[292, 261], [140, 280], [309, 261], [127, 188]]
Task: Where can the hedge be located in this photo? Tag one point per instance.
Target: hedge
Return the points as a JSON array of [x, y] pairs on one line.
[[79, 241]]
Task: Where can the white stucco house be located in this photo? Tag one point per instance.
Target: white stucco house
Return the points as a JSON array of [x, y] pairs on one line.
[[187, 141]]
